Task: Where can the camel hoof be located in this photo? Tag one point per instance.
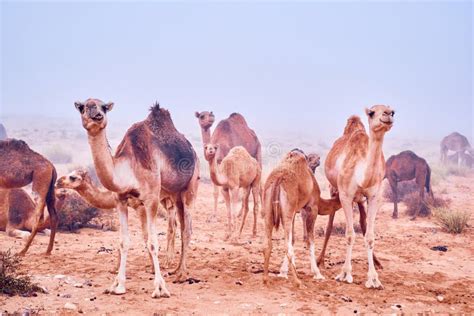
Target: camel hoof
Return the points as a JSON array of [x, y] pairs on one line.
[[181, 277], [300, 285], [345, 277], [413, 218], [374, 283], [160, 291], [394, 216], [283, 275], [116, 290], [319, 277]]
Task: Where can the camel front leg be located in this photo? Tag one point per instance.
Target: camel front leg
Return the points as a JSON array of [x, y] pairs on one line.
[[213, 216], [226, 194], [38, 212], [244, 209], [312, 257], [118, 286], [234, 197], [186, 231], [257, 198], [373, 206], [346, 273], [327, 235], [170, 237]]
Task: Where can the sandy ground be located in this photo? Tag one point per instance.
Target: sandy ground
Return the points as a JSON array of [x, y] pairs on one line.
[[230, 276]]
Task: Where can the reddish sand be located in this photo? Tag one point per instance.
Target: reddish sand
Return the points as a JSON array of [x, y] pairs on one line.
[[230, 275]]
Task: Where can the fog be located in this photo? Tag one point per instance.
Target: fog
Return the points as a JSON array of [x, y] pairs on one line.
[[291, 69]]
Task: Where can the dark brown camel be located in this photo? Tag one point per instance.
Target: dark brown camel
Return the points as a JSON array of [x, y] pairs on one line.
[[229, 133], [156, 161], [20, 166], [408, 166], [455, 142]]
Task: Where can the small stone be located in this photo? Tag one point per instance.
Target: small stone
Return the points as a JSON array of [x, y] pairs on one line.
[[283, 305], [78, 285], [59, 276], [70, 306], [239, 282], [440, 298]]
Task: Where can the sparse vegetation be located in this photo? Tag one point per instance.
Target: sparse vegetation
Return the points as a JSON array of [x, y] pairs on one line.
[[58, 155], [12, 281], [453, 221], [413, 203]]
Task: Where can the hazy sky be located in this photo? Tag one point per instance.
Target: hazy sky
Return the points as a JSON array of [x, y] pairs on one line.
[[302, 67]]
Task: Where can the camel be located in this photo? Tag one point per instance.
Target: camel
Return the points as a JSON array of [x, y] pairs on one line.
[[238, 170], [457, 143], [466, 158], [408, 166], [20, 166], [3, 132], [228, 134], [355, 167], [17, 214], [156, 161], [314, 160], [290, 187], [80, 181]]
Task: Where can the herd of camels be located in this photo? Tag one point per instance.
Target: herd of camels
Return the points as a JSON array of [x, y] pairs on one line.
[[155, 166]]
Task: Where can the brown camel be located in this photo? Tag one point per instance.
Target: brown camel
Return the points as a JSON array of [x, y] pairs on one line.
[[17, 214], [153, 159], [457, 143], [228, 134], [290, 187], [355, 167], [20, 166], [3, 132], [408, 166], [238, 170], [81, 182], [467, 159]]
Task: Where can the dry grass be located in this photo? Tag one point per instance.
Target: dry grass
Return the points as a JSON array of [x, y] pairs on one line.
[[414, 203], [404, 188], [453, 221], [13, 282]]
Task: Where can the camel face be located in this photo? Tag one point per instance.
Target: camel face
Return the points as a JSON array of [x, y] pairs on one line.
[[313, 161], [210, 151], [206, 119], [380, 118], [71, 181], [93, 114]]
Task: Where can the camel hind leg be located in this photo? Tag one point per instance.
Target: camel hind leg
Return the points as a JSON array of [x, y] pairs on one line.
[[310, 227], [268, 212], [327, 235], [245, 208], [256, 193]]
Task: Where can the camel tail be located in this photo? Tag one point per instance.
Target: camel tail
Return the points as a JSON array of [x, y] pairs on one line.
[[329, 207], [53, 215], [276, 204]]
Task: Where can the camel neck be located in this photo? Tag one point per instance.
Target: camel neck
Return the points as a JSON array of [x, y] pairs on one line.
[[374, 156], [206, 135], [103, 160], [98, 198], [216, 176]]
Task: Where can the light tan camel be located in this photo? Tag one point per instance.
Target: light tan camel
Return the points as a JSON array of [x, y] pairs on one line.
[[17, 212], [80, 181], [290, 187], [153, 159], [20, 166], [238, 170], [355, 166], [229, 133]]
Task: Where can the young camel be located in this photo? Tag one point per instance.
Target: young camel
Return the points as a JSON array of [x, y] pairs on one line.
[[20, 166], [153, 159], [355, 166], [229, 133], [238, 170], [81, 182], [17, 212], [290, 187], [404, 167]]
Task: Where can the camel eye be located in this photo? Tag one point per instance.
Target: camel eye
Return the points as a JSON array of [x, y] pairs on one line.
[[393, 113], [73, 178], [201, 117]]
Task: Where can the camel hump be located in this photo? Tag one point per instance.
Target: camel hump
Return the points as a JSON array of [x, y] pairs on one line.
[[353, 124], [14, 144]]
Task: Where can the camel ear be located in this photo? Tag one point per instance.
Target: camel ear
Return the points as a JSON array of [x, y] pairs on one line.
[[369, 113], [79, 106], [108, 107], [197, 114]]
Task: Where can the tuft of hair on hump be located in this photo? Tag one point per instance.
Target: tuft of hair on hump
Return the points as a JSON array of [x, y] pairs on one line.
[[353, 124], [13, 143], [158, 113]]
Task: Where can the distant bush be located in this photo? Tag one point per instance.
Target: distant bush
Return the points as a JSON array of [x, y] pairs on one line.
[[453, 221], [58, 155], [413, 203], [13, 282], [73, 211]]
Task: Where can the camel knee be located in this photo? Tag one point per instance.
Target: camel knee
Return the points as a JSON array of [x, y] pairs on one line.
[[369, 241], [350, 237]]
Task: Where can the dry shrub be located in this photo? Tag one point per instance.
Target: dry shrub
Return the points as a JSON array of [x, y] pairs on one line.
[[338, 229], [453, 221], [74, 212], [13, 282], [414, 203], [404, 188], [58, 155]]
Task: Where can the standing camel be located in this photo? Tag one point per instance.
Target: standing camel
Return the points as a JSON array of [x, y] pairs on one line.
[[457, 143], [20, 166], [153, 159], [408, 166], [289, 188], [238, 170], [228, 134], [355, 167], [17, 214]]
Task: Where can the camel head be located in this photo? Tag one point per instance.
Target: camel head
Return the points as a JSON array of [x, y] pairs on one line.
[[210, 151], [73, 180], [206, 119], [313, 161], [380, 118], [93, 114]]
